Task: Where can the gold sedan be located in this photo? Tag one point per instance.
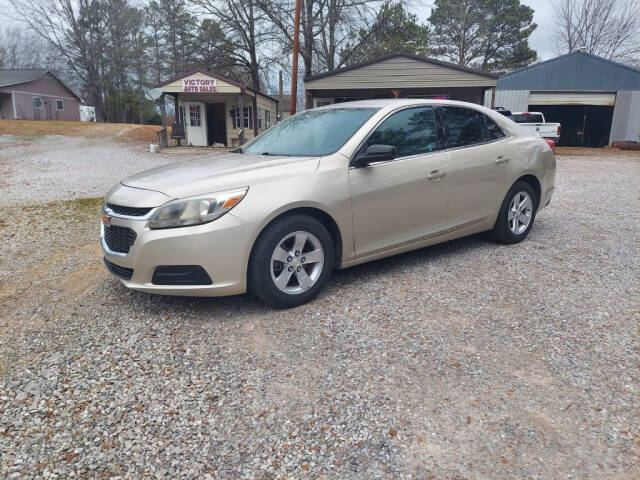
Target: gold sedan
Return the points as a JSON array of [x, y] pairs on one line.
[[327, 188]]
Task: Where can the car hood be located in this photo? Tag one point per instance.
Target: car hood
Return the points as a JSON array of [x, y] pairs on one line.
[[219, 172]]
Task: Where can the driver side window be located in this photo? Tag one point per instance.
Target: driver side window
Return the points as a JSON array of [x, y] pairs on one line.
[[411, 131]]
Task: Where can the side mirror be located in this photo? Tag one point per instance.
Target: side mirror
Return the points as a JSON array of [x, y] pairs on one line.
[[375, 153]]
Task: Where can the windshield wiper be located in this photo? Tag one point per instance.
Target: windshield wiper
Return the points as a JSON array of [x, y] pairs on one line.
[[275, 154]]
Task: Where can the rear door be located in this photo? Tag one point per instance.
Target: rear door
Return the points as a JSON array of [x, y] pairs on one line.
[[480, 164], [403, 200]]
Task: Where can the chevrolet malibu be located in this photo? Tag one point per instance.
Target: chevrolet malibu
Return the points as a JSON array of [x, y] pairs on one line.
[[327, 188]]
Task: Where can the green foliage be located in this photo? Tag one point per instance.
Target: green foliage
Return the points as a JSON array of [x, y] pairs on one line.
[[488, 34], [394, 31]]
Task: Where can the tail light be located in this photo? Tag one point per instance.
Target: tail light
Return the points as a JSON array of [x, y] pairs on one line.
[[559, 130], [551, 144]]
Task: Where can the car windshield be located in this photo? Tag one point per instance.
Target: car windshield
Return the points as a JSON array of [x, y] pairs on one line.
[[526, 117], [312, 133]]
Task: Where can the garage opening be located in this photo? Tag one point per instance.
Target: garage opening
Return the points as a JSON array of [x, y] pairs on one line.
[[582, 125]]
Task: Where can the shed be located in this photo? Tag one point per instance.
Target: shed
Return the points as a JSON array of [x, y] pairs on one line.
[[399, 75], [596, 100], [36, 94], [213, 110]]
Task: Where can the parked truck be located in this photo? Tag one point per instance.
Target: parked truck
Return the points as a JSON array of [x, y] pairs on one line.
[[534, 122]]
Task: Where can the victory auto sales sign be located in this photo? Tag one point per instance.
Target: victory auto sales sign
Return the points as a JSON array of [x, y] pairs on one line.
[[199, 85]]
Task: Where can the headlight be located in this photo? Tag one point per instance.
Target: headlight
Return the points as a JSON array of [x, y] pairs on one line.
[[196, 210]]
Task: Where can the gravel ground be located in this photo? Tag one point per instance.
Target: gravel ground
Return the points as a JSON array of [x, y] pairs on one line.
[[39, 168], [464, 360]]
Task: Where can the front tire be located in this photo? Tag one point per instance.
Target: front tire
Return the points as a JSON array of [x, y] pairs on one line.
[[291, 261], [517, 214]]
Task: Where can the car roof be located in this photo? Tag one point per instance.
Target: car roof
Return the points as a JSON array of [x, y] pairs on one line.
[[396, 102], [387, 105]]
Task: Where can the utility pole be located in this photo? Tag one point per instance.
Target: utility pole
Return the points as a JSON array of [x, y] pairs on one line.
[[294, 73]]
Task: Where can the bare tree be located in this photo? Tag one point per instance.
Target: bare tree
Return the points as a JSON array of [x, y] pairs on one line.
[[329, 29], [607, 28], [21, 48], [77, 30], [247, 32]]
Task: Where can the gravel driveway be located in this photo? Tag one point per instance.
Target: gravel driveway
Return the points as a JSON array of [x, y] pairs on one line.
[[39, 168], [466, 360]]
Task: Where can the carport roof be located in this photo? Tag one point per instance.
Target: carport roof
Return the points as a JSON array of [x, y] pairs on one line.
[[433, 61]]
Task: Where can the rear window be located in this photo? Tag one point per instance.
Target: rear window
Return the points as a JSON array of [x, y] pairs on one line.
[[527, 118], [462, 127]]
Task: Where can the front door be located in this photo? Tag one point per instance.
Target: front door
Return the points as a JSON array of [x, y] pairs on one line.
[[216, 124], [196, 124], [404, 200], [480, 165]]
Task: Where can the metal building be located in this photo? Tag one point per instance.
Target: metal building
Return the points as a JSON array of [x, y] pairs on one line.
[[399, 75], [597, 101]]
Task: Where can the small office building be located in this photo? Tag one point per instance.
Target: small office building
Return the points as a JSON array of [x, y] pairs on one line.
[[36, 94], [596, 101], [212, 110], [399, 76]]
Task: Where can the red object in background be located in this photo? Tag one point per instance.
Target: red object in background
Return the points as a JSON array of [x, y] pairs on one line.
[[552, 144]]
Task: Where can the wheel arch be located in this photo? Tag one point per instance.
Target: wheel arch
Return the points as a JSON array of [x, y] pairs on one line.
[[322, 216], [535, 184]]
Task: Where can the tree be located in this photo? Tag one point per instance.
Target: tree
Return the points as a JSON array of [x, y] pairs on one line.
[[246, 32], [394, 30], [607, 28], [77, 31], [489, 34], [329, 29], [20, 48]]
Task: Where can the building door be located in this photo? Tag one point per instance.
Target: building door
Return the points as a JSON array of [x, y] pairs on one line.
[[216, 124], [196, 124]]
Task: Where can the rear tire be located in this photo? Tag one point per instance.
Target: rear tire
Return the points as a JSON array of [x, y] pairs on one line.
[[291, 261], [517, 214]]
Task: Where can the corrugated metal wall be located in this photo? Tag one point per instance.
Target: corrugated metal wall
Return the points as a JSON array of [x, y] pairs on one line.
[[514, 100], [626, 117]]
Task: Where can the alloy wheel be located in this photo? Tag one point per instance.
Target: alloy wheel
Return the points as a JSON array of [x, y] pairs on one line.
[[297, 262], [520, 212]]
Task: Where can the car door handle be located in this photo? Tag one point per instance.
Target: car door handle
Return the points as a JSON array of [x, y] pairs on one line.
[[501, 159], [436, 174]]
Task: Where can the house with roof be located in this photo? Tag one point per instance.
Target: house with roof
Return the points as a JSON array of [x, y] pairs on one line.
[[212, 110], [597, 101], [36, 94]]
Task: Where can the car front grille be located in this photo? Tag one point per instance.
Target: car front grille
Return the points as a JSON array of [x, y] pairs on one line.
[[119, 239], [128, 211], [118, 271]]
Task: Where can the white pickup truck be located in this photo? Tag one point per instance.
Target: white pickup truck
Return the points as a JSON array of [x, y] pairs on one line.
[[534, 122]]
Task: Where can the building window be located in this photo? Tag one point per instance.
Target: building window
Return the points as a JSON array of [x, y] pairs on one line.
[[59, 104], [194, 115], [247, 117], [37, 103], [267, 118]]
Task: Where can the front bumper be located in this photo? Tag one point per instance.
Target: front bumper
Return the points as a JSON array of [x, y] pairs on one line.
[[221, 247]]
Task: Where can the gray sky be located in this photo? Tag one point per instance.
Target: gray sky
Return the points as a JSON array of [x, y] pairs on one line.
[[540, 40]]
